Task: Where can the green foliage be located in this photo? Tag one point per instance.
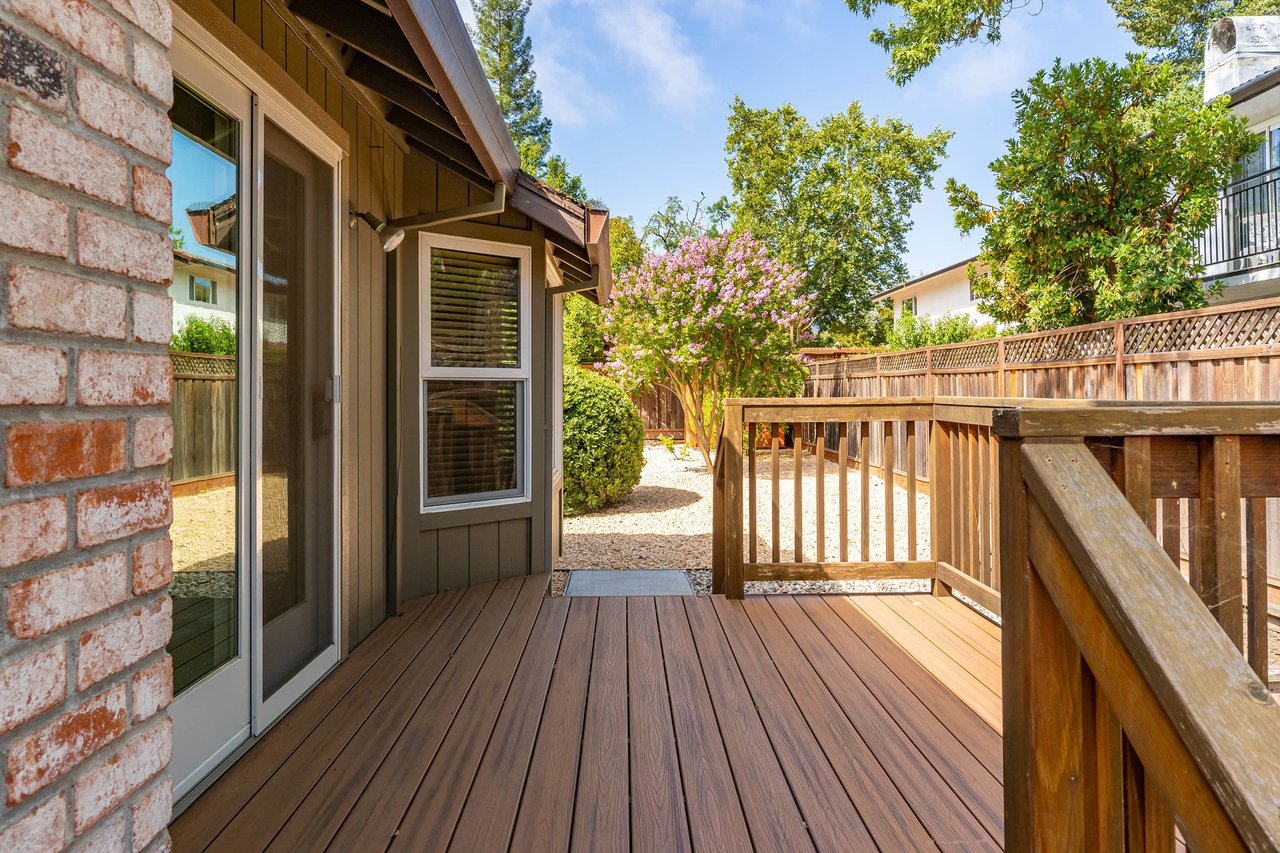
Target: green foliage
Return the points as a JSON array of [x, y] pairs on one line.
[[625, 249], [557, 175], [912, 332], [210, 335], [832, 199], [506, 55], [930, 25], [583, 335], [177, 238], [603, 441], [715, 319], [1113, 176], [678, 221], [1178, 29]]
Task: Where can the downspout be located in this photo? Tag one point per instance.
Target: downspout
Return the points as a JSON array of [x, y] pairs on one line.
[[456, 214]]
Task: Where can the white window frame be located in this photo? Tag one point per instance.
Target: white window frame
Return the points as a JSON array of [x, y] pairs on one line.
[[522, 375]]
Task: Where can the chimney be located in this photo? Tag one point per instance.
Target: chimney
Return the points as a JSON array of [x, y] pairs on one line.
[[1240, 49]]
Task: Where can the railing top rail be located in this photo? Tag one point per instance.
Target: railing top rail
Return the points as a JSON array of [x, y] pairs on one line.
[[1222, 712]]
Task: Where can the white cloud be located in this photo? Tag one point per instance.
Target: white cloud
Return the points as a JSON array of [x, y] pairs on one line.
[[651, 39]]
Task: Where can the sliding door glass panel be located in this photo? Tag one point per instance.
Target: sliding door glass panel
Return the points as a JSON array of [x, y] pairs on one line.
[[297, 412], [206, 265]]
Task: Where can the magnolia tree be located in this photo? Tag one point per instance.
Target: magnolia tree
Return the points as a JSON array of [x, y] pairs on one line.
[[716, 318]]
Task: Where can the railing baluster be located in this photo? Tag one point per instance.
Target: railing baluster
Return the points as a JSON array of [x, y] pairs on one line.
[[775, 507], [1256, 578], [734, 580], [820, 497], [911, 490], [797, 504], [751, 491], [844, 491], [886, 458], [1219, 574], [864, 465]]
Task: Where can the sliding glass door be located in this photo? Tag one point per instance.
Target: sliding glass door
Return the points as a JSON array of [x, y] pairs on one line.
[[255, 409]]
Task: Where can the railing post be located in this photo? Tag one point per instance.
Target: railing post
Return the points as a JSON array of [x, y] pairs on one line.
[[718, 518], [733, 569], [1015, 570]]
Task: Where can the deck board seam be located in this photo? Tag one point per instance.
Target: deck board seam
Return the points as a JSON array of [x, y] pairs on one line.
[[582, 736]]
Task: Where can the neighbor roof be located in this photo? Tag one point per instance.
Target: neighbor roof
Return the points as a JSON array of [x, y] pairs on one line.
[[923, 278]]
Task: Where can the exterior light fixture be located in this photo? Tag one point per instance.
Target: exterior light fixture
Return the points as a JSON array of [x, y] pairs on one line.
[[390, 237]]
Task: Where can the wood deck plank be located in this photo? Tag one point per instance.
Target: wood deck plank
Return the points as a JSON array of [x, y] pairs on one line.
[[967, 655], [978, 735], [832, 818], [950, 622], [968, 813], [773, 817], [377, 813], [546, 809], [497, 723], [429, 684], [200, 824], [891, 820], [601, 819], [658, 818], [716, 821]]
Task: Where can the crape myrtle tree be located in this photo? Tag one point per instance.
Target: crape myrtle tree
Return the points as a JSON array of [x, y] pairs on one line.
[[1101, 196], [717, 318], [833, 199]]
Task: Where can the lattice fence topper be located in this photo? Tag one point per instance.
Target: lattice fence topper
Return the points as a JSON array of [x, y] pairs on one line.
[[985, 354], [198, 364], [909, 361], [1067, 345], [852, 367], [1252, 328]]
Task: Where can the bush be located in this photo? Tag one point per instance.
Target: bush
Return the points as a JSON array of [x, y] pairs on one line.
[[583, 337], [603, 441], [912, 332], [209, 335]]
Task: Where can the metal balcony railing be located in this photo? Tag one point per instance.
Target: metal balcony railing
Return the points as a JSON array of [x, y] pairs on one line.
[[1245, 234]]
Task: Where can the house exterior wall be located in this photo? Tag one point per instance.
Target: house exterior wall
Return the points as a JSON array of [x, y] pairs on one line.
[[84, 428], [944, 293], [445, 549]]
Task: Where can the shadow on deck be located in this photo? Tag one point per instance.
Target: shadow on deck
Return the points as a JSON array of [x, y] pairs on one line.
[[494, 718]]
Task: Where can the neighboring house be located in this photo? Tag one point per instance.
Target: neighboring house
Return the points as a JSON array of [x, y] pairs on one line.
[[397, 397], [944, 291], [1241, 249]]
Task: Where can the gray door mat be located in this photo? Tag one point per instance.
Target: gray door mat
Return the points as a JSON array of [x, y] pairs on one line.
[[608, 582]]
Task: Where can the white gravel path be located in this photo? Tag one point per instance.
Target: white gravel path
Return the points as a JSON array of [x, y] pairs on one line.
[[666, 524]]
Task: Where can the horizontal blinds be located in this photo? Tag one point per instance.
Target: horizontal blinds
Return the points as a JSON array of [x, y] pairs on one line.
[[471, 438], [475, 310]]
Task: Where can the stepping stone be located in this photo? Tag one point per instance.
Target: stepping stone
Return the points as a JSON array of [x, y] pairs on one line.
[[595, 583]]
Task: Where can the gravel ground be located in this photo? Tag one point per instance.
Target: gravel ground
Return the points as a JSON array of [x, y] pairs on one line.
[[666, 524], [203, 533]]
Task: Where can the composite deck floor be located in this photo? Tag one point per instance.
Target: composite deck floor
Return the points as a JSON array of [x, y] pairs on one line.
[[495, 718]]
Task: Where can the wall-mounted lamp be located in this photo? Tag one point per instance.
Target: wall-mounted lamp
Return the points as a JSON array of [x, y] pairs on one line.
[[390, 237]]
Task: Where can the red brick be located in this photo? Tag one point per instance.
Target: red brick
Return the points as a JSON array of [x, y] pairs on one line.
[[122, 115], [32, 222], [44, 828], [152, 193], [32, 685], [106, 650], [46, 602], [114, 512], [52, 302], [152, 441], [111, 245], [151, 814], [47, 451], [152, 72], [123, 379], [153, 16], [105, 787], [44, 149], [33, 529], [107, 838], [152, 565], [32, 376], [152, 317], [152, 689], [42, 756], [78, 24]]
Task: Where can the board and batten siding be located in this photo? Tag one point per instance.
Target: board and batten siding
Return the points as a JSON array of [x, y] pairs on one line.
[[372, 179], [449, 549]]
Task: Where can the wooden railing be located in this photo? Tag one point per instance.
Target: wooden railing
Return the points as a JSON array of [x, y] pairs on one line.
[[1127, 706]]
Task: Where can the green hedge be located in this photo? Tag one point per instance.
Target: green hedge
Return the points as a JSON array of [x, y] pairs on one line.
[[603, 441]]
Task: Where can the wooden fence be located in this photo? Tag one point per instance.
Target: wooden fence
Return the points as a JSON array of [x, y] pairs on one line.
[[204, 415], [661, 412]]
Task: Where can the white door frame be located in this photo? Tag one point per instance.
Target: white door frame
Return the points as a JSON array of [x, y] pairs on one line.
[[200, 714]]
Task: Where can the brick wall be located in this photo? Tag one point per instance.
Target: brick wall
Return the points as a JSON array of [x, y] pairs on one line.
[[85, 559]]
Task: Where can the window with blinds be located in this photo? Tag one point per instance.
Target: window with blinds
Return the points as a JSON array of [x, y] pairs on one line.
[[474, 373]]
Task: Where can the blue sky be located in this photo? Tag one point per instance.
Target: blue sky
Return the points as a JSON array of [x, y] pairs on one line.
[[638, 90]]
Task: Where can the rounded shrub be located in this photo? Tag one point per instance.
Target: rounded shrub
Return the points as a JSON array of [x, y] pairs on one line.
[[603, 441]]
